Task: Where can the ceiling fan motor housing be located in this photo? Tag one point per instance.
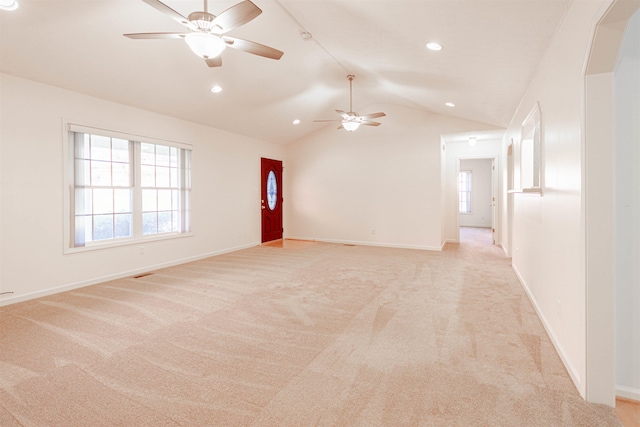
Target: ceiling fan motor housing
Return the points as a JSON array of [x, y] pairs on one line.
[[202, 20]]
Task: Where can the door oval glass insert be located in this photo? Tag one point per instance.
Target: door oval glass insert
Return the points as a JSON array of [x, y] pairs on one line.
[[272, 190]]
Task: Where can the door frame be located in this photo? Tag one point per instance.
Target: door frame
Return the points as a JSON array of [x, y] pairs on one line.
[[598, 216], [495, 194], [266, 166]]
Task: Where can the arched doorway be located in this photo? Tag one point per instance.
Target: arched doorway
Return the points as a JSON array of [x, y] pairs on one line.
[[600, 182]]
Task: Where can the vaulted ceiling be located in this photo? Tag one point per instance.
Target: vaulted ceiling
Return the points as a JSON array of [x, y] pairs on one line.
[[491, 49]]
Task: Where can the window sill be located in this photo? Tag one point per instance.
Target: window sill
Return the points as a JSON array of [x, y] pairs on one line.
[[537, 191], [127, 242]]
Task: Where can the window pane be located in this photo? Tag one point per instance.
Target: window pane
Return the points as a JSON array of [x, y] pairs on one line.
[[164, 222], [164, 200], [100, 147], [121, 175], [149, 200], [174, 178], [174, 200], [122, 223], [83, 201], [147, 154], [175, 220], [100, 173], [148, 174], [120, 150], [272, 190], [174, 157], [107, 189], [102, 227], [162, 177], [149, 223], [102, 200], [122, 200], [162, 155]]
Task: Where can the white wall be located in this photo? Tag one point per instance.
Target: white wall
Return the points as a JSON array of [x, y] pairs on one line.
[[377, 186], [480, 215], [547, 235], [489, 145], [627, 215], [225, 175]]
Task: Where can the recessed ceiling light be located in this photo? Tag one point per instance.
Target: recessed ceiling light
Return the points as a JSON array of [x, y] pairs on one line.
[[434, 46], [296, 122], [449, 104], [8, 4], [214, 89]]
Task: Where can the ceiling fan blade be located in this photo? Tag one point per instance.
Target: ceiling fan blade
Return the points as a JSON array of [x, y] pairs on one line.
[[170, 13], [320, 121], [343, 114], [367, 123], [253, 47], [214, 62], [155, 35], [372, 116], [340, 127], [237, 15]]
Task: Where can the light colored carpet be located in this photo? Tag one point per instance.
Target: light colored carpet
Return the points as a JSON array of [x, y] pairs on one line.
[[319, 334]]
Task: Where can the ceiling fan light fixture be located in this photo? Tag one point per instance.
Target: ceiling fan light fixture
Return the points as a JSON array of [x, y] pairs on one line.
[[350, 126], [8, 4], [205, 45]]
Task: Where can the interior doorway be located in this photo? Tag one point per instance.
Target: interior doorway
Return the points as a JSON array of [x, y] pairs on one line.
[[604, 113], [271, 199], [477, 192]]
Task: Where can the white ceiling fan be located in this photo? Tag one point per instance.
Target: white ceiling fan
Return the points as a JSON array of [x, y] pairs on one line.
[[352, 121], [207, 37]]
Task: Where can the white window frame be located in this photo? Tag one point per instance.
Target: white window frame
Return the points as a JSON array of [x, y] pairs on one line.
[[69, 130], [469, 190]]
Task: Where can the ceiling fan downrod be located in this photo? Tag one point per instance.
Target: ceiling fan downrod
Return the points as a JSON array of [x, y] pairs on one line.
[[351, 77]]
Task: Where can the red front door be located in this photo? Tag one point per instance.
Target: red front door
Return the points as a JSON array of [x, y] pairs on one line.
[[271, 195]]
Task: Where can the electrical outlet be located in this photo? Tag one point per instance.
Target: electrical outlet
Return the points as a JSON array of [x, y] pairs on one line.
[[141, 250]]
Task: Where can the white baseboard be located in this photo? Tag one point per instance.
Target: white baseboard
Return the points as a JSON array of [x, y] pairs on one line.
[[575, 376], [628, 393], [504, 249], [7, 300], [365, 243]]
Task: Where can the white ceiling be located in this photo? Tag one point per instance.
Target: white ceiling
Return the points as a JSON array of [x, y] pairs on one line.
[[491, 52]]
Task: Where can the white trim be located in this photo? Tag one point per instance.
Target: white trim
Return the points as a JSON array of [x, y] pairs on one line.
[[68, 159], [73, 127], [114, 243], [628, 393], [575, 376], [82, 284], [504, 249], [365, 243]]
